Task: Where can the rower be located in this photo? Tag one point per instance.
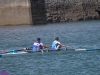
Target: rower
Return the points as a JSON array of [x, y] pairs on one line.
[[56, 45], [38, 45]]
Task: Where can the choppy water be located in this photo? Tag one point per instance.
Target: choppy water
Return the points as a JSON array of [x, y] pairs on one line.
[[83, 34]]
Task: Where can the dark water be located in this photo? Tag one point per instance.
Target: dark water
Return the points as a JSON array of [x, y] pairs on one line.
[[83, 34]]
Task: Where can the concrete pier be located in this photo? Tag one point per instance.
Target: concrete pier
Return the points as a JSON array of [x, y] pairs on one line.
[[14, 12]]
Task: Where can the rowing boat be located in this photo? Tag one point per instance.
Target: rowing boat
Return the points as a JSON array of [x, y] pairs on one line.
[[28, 50]]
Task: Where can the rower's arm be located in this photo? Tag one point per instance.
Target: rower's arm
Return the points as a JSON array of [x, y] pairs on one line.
[[45, 46], [64, 45]]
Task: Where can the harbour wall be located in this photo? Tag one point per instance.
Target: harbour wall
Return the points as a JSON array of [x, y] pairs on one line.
[[71, 10], [25, 12], [15, 12]]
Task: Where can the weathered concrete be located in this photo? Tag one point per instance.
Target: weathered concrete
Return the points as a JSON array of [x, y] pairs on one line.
[[14, 12], [71, 10], [98, 8]]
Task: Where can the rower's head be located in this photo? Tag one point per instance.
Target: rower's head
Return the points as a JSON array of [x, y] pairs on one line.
[[38, 39], [57, 38]]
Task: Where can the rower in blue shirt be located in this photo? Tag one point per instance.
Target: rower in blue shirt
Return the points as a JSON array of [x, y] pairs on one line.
[[56, 45]]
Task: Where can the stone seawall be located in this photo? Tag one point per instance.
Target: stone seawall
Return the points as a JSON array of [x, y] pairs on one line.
[[17, 12], [71, 10]]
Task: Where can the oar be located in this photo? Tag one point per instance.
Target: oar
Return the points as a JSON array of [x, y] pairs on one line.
[[86, 49]]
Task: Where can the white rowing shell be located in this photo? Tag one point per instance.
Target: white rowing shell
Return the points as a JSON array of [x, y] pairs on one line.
[[14, 53]]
